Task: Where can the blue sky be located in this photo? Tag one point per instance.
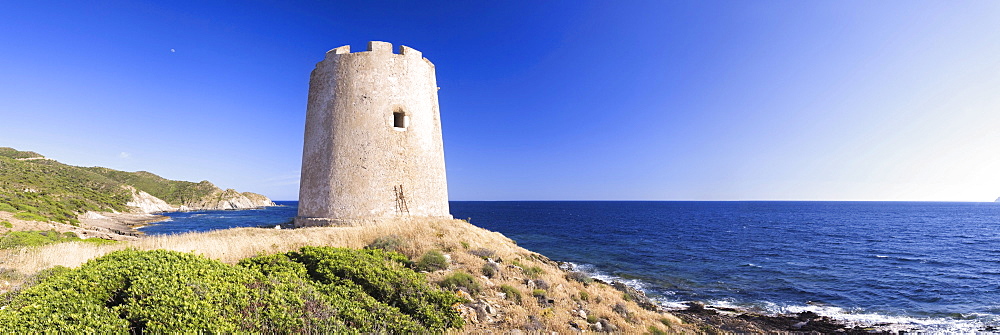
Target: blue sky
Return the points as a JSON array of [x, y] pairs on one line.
[[562, 100]]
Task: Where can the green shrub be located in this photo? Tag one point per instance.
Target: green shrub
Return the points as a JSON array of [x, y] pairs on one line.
[[656, 331], [6, 224], [387, 243], [461, 280], [538, 292], [591, 318], [511, 293], [314, 290], [432, 261], [584, 296], [580, 277], [135, 291], [5, 207], [30, 216], [394, 289], [533, 271], [482, 253], [490, 270], [34, 238], [465, 245]]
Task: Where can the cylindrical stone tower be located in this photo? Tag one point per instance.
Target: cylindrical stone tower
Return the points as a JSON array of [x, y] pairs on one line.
[[373, 148]]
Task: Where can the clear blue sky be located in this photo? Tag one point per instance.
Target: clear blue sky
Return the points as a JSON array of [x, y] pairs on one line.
[[573, 100]]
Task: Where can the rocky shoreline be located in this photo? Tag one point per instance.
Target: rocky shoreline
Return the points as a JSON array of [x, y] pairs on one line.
[[731, 320]]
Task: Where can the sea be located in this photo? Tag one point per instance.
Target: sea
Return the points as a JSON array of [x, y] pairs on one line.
[[895, 266]]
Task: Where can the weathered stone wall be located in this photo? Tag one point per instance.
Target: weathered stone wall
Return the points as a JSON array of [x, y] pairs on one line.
[[357, 166]]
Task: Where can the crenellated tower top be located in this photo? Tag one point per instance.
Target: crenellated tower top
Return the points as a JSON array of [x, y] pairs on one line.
[[378, 47]]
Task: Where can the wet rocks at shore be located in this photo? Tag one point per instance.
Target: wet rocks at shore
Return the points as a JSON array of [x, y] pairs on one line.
[[731, 320]]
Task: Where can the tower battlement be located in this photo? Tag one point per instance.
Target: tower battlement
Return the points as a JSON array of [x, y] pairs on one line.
[[373, 148], [379, 47]]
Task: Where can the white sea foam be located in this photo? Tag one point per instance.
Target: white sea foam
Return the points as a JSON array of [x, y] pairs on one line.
[[851, 318], [878, 322], [895, 323], [593, 272]]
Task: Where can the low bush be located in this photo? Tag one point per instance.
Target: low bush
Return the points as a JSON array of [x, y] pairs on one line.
[[387, 243], [5, 207], [432, 261], [656, 331], [511, 293], [580, 277], [34, 238], [6, 224], [533, 271], [30, 217], [313, 290], [490, 270], [538, 292], [461, 280], [482, 253]]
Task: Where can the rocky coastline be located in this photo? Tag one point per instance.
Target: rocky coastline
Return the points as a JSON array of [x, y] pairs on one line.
[[731, 320]]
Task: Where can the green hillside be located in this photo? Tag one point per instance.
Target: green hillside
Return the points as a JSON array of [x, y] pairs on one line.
[[43, 189], [172, 191]]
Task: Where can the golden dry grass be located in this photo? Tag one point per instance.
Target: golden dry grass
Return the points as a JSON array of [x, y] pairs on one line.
[[455, 238]]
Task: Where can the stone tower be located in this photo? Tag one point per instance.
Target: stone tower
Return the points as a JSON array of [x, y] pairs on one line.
[[373, 148]]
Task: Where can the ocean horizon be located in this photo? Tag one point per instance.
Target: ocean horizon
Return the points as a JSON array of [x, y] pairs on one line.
[[915, 266]]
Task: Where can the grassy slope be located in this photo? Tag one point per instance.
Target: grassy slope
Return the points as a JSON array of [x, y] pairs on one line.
[[563, 301], [48, 190]]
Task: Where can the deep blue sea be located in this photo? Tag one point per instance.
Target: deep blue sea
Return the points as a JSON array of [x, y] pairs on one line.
[[916, 265], [183, 222]]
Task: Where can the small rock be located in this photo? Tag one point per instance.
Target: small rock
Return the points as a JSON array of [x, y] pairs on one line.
[[468, 313], [607, 325], [489, 309]]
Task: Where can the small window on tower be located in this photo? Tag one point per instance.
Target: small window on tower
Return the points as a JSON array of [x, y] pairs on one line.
[[399, 120]]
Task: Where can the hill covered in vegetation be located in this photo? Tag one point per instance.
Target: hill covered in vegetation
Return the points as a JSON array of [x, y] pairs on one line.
[[40, 189]]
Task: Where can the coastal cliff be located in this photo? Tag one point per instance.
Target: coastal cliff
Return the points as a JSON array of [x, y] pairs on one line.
[[219, 199]]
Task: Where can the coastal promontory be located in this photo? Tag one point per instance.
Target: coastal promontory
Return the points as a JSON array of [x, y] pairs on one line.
[[40, 193]]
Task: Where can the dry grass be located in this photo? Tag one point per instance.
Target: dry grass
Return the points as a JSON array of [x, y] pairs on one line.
[[455, 238]]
